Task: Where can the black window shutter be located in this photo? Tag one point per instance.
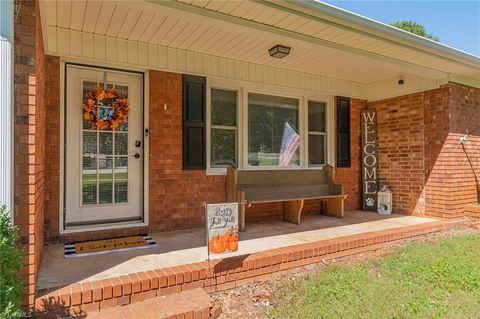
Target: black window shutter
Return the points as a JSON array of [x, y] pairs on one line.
[[343, 132], [194, 90]]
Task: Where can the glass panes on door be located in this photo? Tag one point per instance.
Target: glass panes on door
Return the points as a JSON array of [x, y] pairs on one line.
[[104, 157]]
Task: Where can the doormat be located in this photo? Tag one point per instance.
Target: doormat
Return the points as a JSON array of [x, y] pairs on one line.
[[99, 247]]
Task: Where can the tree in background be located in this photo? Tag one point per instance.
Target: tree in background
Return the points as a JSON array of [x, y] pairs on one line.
[[415, 28]]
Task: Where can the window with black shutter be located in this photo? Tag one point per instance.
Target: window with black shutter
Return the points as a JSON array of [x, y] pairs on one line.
[[343, 132], [194, 122]]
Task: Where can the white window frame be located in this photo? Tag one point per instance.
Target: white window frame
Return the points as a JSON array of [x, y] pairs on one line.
[[243, 88], [221, 85], [301, 127], [318, 133]]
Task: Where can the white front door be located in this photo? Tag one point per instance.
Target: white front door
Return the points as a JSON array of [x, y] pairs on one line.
[[103, 168]]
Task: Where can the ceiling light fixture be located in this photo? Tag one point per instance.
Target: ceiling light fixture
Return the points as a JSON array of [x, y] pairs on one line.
[[279, 51]]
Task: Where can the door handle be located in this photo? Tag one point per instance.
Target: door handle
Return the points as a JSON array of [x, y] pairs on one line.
[[136, 155]]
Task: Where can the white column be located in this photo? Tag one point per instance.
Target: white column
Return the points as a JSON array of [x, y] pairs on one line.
[[6, 103]]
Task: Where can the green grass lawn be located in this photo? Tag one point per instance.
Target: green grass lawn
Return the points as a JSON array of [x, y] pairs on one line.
[[436, 280]]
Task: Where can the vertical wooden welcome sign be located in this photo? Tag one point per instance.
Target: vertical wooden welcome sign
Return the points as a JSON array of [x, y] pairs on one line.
[[369, 160]]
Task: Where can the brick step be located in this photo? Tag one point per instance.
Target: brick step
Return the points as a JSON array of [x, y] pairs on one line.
[[220, 275], [195, 304]]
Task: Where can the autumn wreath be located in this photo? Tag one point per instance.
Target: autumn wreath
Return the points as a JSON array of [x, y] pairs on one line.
[[119, 103]]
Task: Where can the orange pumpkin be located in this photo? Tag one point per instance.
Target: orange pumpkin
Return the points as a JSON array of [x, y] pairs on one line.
[[217, 244], [231, 238]]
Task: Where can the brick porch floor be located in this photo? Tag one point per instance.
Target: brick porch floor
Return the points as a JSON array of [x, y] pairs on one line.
[[178, 264]]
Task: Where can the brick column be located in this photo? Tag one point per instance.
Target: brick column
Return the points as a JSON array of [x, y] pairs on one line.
[[29, 141]]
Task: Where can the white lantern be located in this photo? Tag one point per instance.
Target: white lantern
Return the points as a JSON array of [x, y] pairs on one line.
[[384, 201]]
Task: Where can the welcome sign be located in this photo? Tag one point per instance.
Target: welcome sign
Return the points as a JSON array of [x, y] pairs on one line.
[[222, 227], [369, 160]]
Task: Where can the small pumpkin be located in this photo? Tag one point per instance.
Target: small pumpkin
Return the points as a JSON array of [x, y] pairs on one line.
[[231, 238], [217, 244]]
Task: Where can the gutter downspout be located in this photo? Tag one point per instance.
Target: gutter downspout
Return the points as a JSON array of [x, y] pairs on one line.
[[6, 104]]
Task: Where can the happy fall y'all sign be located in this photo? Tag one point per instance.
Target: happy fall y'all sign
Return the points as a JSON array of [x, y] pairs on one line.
[[222, 227]]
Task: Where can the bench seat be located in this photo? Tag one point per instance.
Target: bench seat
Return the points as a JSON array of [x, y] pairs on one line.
[[291, 187]]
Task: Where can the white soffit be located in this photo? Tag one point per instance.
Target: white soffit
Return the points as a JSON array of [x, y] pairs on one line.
[[244, 31]]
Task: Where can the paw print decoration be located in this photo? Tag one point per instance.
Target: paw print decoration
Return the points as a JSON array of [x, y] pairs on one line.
[[370, 202]]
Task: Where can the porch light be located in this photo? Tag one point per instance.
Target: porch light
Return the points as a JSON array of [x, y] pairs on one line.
[[279, 51]]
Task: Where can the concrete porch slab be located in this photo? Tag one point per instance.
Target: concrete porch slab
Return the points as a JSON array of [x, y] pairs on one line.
[[189, 246], [267, 250]]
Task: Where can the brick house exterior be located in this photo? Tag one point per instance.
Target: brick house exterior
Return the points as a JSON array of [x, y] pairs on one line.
[[420, 155]]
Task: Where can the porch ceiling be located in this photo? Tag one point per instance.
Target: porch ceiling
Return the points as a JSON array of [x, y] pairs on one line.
[[245, 30]]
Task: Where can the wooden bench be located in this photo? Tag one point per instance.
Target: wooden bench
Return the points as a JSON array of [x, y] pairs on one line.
[[291, 186]]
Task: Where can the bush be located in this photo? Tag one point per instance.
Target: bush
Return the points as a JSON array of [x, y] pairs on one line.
[[10, 263]]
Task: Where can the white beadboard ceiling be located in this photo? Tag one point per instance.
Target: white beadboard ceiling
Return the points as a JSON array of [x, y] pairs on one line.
[[244, 31]]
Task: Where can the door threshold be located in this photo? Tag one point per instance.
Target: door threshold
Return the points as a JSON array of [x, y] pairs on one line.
[[104, 226]]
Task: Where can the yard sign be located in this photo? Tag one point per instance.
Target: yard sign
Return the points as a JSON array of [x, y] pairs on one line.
[[369, 160], [222, 227]]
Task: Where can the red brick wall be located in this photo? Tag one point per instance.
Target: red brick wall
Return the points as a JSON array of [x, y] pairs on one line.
[[176, 195], [420, 155], [452, 170], [464, 110], [401, 149], [436, 131], [29, 140], [52, 148]]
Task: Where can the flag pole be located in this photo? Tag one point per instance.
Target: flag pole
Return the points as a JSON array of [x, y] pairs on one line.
[[207, 237]]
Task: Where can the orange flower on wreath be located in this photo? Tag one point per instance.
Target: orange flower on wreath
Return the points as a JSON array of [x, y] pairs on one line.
[[119, 103]]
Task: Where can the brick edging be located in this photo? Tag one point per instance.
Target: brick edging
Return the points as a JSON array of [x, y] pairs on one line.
[[222, 274]]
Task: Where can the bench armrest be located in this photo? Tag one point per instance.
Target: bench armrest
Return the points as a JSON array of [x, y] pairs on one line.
[[334, 187]]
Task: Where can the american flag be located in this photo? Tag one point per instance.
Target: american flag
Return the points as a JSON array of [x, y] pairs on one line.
[[290, 145]]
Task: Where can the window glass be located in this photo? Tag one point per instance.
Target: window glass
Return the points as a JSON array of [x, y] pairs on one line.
[[223, 134], [273, 135], [316, 133], [223, 147], [224, 107], [316, 116], [316, 149]]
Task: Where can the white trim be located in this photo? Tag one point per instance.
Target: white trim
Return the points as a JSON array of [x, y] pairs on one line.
[[146, 148], [245, 87], [7, 166], [213, 84], [329, 131], [77, 229], [62, 147]]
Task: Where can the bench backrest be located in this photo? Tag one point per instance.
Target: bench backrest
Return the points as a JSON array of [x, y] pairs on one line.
[[278, 178], [285, 181]]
